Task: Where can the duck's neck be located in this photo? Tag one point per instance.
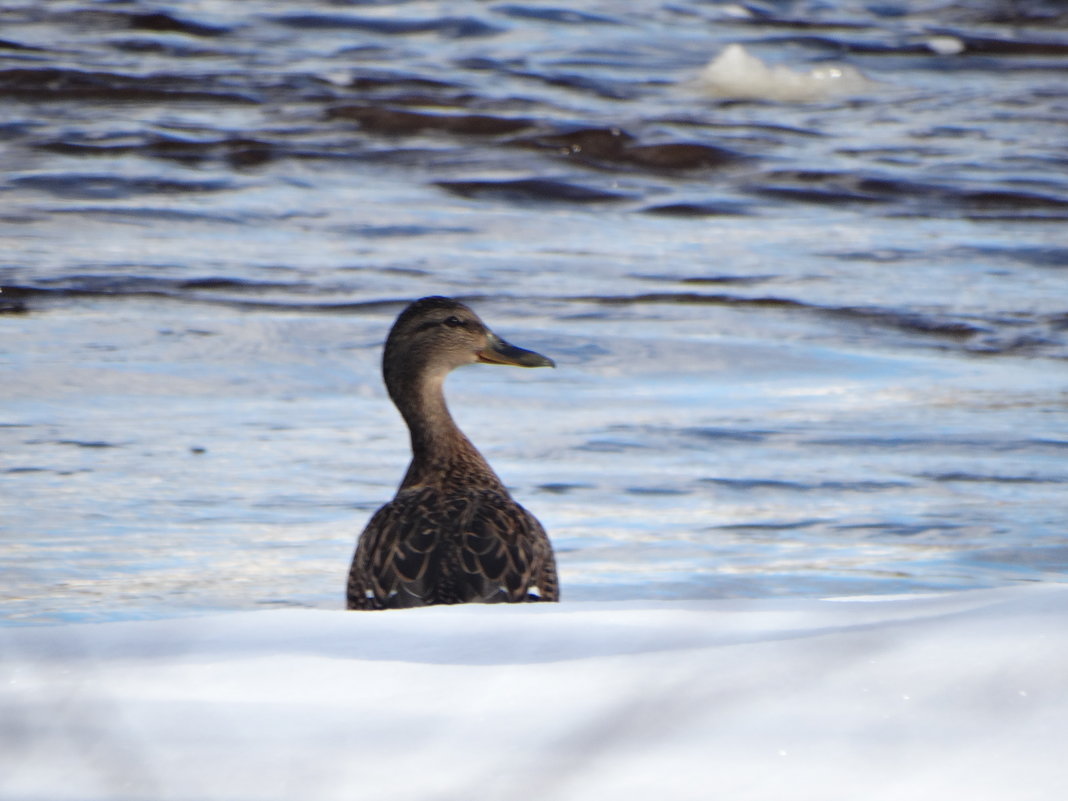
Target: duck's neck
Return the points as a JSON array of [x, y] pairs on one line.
[[441, 453]]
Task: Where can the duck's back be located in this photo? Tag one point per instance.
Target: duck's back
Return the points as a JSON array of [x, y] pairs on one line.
[[431, 545]]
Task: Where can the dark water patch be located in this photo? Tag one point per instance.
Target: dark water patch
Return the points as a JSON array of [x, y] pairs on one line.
[[486, 64], [147, 215], [56, 84], [760, 15], [447, 27], [844, 188], [1032, 255], [188, 332], [881, 256], [614, 146], [1012, 205], [113, 187], [563, 488], [794, 486], [1045, 444], [686, 298], [600, 87], [165, 23], [78, 443], [767, 527], [809, 190], [713, 434], [528, 190], [948, 132], [1047, 12], [220, 284], [894, 157], [119, 286], [7, 44], [977, 478], [1000, 335], [87, 19], [698, 210], [406, 92], [622, 438], [715, 280], [913, 322], [824, 187], [387, 121], [165, 47], [238, 152], [226, 292], [948, 443], [12, 301], [970, 44], [443, 102], [1039, 340], [656, 491], [85, 148], [401, 232], [564, 16], [829, 46], [759, 131], [610, 446], [754, 484], [593, 143], [396, 81], [1050, 443], [904, 529], [899, 443], [998, 46]]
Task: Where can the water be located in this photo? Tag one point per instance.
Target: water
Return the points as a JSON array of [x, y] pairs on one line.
[[804, 348]]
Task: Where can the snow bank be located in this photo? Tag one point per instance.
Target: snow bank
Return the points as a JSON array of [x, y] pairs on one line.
[[737, 74], [954, 696]]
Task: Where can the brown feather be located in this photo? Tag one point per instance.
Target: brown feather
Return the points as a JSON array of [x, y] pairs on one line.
[[453, 533]]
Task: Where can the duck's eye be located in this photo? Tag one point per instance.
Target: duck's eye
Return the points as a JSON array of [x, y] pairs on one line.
[[454, 322]]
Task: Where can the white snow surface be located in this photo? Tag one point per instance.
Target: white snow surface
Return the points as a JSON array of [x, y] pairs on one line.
[[958, 696]]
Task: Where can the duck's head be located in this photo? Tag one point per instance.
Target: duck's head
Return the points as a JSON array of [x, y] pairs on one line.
[[435, 335]]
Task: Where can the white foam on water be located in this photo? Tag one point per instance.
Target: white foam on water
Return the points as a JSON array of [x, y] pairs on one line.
[[737, 74]]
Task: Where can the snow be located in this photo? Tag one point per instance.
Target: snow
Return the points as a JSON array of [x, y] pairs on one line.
[[962, 695], [737, 74]]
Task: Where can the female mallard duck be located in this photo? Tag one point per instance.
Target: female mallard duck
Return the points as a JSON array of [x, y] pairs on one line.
[[452, 534]]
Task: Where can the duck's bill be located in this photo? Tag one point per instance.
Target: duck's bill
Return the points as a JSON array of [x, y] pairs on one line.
[[497, 351]]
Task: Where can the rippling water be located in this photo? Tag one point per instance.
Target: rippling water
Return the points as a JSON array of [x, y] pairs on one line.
[[804, 347]]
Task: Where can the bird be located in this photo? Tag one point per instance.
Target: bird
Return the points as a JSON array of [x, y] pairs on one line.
[[453, 533]]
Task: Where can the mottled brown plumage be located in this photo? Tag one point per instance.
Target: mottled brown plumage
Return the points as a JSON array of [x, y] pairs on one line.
[[452, 534]]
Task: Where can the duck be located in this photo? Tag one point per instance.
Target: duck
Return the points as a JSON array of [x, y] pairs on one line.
[[453, 533]]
